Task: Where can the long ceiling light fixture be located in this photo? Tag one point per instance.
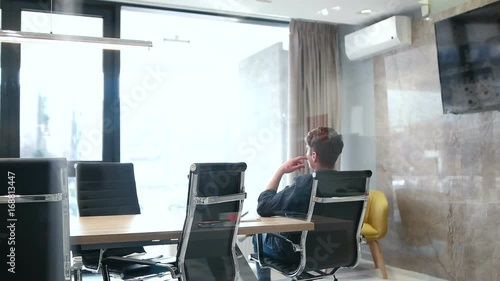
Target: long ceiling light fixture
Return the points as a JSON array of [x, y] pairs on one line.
[[12, 36]]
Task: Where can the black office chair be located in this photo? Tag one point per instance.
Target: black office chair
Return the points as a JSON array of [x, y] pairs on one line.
[[34, 224], [206, 249], [105, 189], [337, 207]]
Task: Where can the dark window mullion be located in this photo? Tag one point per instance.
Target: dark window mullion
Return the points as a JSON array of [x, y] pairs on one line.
[[9, 95], [111, 106], [110, 13]]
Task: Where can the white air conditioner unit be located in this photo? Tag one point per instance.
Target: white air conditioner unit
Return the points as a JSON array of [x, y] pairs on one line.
[[378, 38]]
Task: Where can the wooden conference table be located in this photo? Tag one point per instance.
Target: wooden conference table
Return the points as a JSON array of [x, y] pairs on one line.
[[109, 231], [141, 230]]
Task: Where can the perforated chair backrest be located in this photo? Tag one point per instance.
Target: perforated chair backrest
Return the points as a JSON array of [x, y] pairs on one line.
[[335, 240], [215, 200], [105, 189]]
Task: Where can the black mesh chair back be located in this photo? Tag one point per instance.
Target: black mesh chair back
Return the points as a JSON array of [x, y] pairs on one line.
[[336, 207], [215, 200], [338, 201], [105, 189]]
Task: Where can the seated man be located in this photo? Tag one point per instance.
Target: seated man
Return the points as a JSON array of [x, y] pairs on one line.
[[323, 147]]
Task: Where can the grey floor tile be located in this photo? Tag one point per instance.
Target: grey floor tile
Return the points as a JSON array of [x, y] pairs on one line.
[[365, 271]]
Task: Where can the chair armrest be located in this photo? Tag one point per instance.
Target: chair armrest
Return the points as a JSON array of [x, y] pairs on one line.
[[379, 214], [260, 252], [296, 215], [106, 261], [296, 247]]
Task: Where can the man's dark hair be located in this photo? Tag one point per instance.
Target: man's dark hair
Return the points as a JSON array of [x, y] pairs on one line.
[[327, 144]]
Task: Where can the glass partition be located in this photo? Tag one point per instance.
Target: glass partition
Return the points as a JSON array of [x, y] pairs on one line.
[[211, 89]]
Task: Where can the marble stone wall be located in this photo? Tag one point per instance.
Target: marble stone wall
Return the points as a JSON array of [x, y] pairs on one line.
[[440, 172], [438, 6]]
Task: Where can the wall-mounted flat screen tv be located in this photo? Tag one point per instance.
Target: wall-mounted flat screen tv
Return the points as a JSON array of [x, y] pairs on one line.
[[469, 60]]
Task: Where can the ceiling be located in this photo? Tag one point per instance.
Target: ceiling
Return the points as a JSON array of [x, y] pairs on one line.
[[334, 11]]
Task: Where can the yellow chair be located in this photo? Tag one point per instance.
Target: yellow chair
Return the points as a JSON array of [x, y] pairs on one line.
[[375, 226]]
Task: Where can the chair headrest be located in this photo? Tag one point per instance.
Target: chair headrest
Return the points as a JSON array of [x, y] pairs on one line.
[[213, 167]]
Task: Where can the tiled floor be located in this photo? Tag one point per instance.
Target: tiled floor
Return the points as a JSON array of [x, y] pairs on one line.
[[365, 271]]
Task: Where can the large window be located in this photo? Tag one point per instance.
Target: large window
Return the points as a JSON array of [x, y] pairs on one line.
[[61, 98], [210, 90], [61, 90]]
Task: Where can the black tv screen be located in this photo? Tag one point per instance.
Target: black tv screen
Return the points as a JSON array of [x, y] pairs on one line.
[[469, 60]]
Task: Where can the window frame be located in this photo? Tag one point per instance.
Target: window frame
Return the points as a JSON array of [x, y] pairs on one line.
[[11, 57], [10, 80]]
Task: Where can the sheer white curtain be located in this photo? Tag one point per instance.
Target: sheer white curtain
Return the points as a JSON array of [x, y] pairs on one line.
[[314, 95]]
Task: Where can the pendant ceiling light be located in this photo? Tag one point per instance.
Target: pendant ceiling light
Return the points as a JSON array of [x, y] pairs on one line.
[[14, 36]]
